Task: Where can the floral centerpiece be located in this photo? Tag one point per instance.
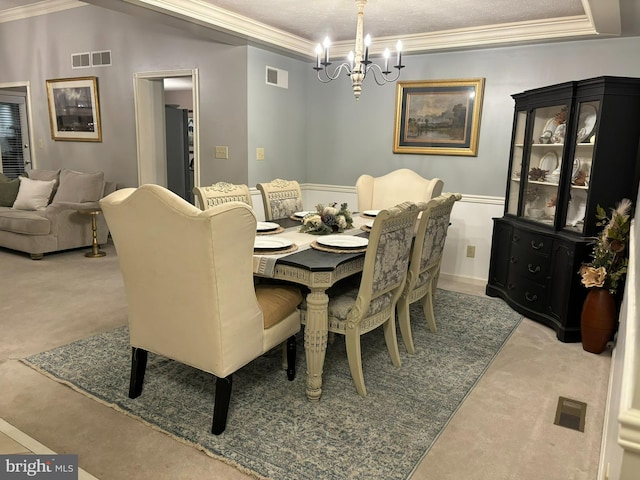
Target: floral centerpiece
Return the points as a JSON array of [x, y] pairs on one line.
[[610, 255], [327, 219]]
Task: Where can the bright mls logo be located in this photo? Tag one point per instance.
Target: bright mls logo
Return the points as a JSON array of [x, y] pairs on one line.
[[49, 467]]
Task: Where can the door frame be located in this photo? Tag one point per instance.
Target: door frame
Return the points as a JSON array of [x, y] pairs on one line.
[[29, 136], [148, 94]]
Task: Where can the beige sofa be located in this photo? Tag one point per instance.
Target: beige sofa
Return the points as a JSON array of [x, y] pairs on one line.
[[58, 225]]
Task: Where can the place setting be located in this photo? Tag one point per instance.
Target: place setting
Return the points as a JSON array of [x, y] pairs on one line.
[[273, 246], [369, 213], [299, 216], [268, 228], [340, 244]]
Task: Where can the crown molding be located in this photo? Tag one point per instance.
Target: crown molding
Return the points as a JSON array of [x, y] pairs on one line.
[[41, 8], [207, 15]]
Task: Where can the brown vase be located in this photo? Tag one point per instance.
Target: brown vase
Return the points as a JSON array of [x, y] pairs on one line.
[[598, 320]]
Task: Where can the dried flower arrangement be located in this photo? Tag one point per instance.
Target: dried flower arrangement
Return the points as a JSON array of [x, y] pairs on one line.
[[608, 266], [328, 219]]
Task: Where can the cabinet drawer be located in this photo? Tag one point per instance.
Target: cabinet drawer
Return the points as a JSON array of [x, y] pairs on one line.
[[529, 294], [532, 267], [530, 242]]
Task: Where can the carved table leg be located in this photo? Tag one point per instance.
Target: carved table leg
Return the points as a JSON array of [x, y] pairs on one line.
[[315, 340]]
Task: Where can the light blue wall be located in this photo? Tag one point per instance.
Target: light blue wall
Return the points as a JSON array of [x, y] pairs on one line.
[[347, 138], [277, 118]]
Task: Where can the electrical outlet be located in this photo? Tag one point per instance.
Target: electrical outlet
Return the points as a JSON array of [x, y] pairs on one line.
[[259, 153], [471, 251], [222, 152]]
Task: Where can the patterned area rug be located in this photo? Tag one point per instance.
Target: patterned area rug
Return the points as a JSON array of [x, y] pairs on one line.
[[273, 430]]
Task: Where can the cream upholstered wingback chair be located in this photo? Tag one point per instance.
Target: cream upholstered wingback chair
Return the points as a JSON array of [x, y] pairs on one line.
[[356, 309], [424, 266], [222, 192], [403, 185], [281, 198], [188, 277]]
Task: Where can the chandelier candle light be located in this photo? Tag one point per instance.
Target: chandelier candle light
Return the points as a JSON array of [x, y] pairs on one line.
[[358, 64]]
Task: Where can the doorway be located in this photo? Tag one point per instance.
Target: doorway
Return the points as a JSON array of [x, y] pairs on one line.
[[15, 134], [150, 96]]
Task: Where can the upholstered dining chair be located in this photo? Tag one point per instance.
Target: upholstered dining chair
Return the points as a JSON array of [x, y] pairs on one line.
[[222, 192], [188, 278], [403, 185], [281, 198], [424, 266], [355, 309]]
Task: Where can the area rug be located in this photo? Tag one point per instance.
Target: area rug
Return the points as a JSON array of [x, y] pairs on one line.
[[273, 431]]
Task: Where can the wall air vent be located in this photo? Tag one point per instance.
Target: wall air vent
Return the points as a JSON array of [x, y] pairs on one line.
[[81, 60], [101, 59], [277, 77], [91, 59]]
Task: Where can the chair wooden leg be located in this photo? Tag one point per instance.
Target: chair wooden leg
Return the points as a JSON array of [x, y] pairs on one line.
[[221, 404], [354, 356], [138, 367], [291, 358], [404, 319], [391, 339], [427, 307]]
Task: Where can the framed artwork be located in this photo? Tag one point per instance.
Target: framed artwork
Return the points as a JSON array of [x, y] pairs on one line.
[[438, 117], [74, 112]]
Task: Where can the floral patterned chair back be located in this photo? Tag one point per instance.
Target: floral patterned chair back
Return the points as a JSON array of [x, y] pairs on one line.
[[424, 267], [281, 198], [222, 192], [357, 308]]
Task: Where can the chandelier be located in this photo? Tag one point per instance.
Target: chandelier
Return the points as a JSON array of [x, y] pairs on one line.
[[358, 65]]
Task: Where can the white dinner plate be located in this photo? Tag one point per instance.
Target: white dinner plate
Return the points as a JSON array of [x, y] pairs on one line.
[[266, 226], [302, 214], [577, 166], [270, 243], [586, 122], [371, 213], [343, 241], [549, 162], [547, 131], [369, 224]]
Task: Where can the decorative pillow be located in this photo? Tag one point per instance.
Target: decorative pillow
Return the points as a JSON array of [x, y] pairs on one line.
[[45, 175], [8, 191], [33, 194], [79, 187]]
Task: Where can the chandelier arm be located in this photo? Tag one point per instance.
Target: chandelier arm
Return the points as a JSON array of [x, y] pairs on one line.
[[384, 78], [336, 73]]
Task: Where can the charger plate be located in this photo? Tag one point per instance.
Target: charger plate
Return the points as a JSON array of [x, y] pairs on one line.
[[316, 246]]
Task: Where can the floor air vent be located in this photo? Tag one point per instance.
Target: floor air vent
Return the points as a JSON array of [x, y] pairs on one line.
[[571, 414]]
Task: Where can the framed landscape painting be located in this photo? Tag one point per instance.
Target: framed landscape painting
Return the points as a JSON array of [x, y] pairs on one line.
[[74, 113], [438, 117]]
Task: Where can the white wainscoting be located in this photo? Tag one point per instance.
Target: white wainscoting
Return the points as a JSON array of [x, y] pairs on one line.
[[471, 224]]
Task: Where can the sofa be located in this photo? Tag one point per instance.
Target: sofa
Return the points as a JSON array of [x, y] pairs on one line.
[[41, 211]]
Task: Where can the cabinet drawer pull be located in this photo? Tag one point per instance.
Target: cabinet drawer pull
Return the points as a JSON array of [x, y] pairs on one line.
[[533, 269], [513, 260], [510, 286], [537, 246], [530, 298], [516, 238]]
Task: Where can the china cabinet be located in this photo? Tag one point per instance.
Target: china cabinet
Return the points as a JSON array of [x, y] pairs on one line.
[[574, 146]]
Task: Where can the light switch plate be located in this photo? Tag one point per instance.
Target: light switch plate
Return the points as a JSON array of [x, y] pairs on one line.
[[222, 152], [259, 153]]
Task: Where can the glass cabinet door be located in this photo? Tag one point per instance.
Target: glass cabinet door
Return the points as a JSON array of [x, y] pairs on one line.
[[581, 165], [544, 169], [517, 150]]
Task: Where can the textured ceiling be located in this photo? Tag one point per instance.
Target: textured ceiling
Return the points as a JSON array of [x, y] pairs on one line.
[[315, 19]]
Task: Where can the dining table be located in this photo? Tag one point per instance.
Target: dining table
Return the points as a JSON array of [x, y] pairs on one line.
[[316, 269]]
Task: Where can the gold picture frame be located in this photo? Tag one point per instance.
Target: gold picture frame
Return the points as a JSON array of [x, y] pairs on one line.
[[438, 117], [74, 111]]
